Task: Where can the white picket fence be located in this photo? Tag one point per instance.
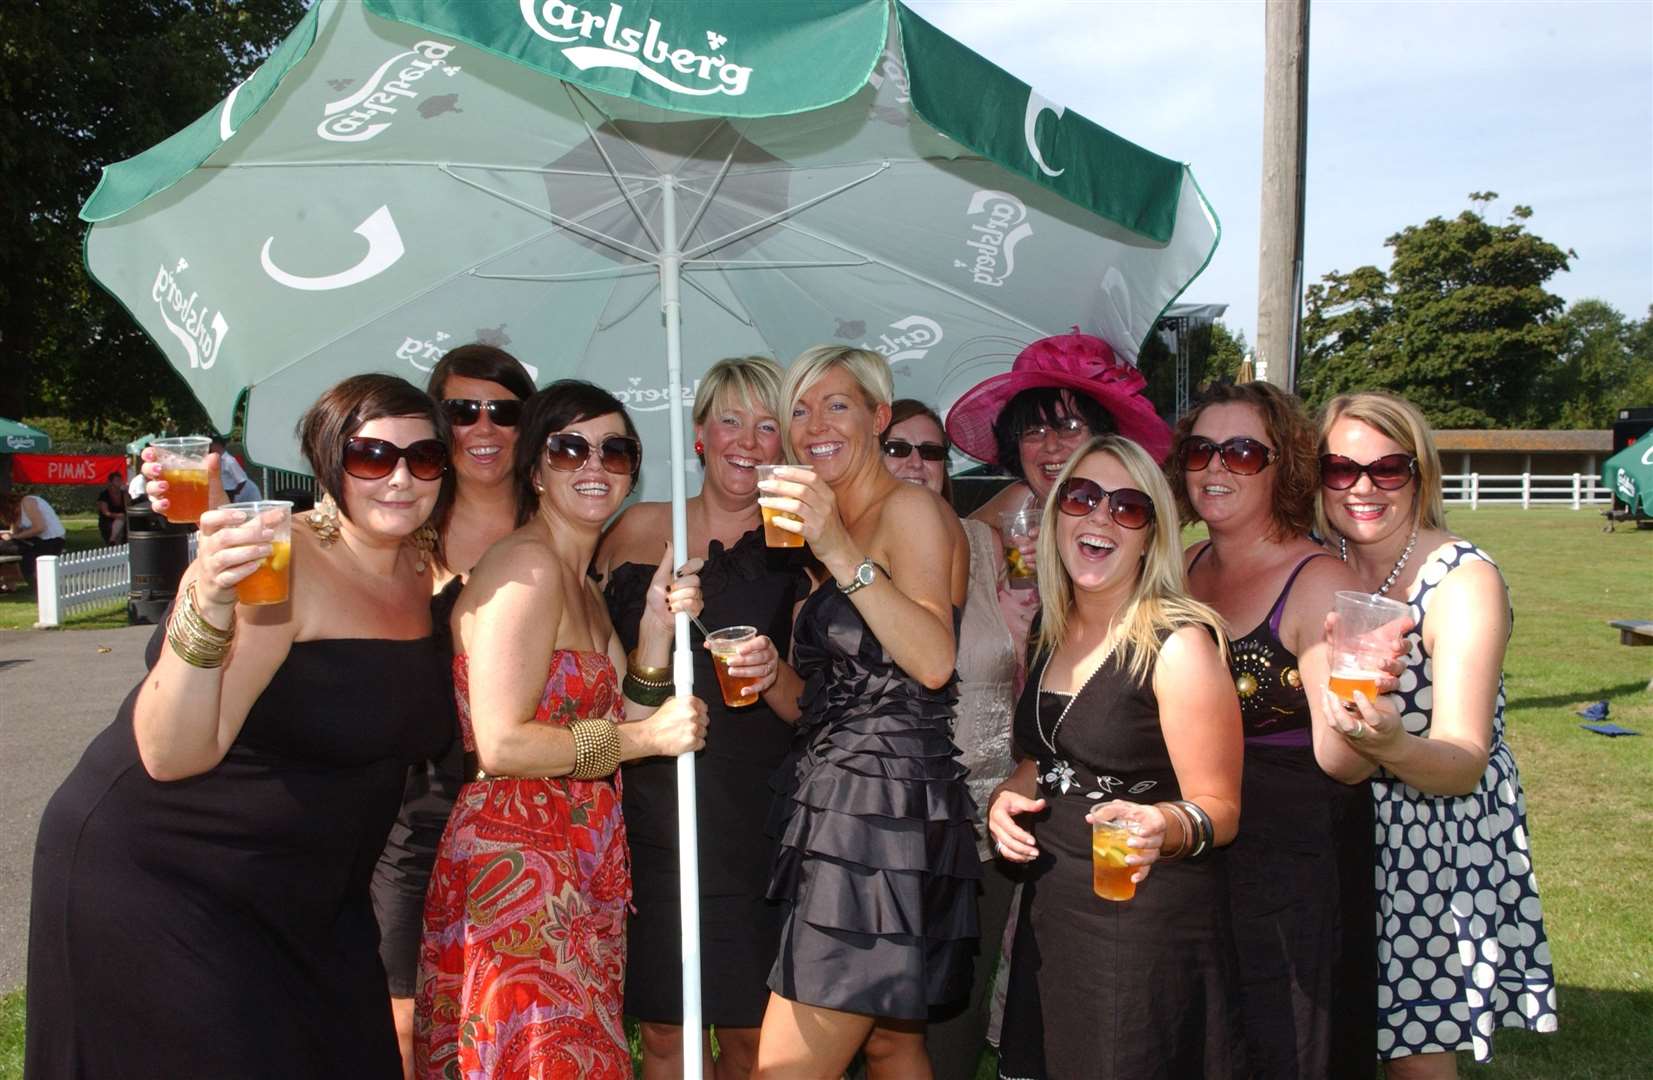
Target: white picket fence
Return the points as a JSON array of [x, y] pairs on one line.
[[81, 581], [1574, 489]]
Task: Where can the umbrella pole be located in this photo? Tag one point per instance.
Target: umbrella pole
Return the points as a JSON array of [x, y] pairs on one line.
[[688, 843]]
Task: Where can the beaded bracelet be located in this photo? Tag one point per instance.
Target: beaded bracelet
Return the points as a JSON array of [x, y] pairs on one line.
[[646, 674], [596, 748], [649, 695], [197, 642]]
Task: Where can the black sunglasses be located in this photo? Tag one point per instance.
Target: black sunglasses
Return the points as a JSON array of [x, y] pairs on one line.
[[568, 451], [901, 448], [1389, 472], [463, 412], [1241, 456], [1129, 508], [375, 459]]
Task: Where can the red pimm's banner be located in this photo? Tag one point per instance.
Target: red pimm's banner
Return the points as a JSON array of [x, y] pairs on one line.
[[66, 468]]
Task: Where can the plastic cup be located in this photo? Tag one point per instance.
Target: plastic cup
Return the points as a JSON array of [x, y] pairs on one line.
[[1018, 525], [272, 582], [184, 468], [1110, 877], [773, 535], [722, 644], [1359, 650]]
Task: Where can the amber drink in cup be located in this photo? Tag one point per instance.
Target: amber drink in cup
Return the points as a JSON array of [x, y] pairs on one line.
[[184, 468], [272, 582], [1359, 649], [1018, 525], [723, 644], [773, 535], [1110, 877]]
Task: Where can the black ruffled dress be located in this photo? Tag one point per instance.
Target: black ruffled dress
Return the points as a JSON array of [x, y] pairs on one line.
[[877, 862]]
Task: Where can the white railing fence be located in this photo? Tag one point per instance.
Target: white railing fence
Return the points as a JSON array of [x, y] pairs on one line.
[[82, 581], [1573, 489], [275, 480]]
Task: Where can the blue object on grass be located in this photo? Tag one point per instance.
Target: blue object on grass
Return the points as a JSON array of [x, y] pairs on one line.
[[1596, 710], [1610, 730]]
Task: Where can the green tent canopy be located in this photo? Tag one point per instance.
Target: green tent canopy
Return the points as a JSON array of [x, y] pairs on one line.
[[17, 437], [1628, 474]]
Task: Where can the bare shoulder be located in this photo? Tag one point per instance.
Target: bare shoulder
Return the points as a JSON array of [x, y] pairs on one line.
[[1326, 576], [1188, 654], [1474, 584], [635, 536], [520, 558], [1013, 496], [911, 508]]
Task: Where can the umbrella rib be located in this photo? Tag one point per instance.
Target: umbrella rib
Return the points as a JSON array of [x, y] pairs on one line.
[[712, 190], [557, 219], [488, 166], [759, 264], [745, 320], [778, 218], [608, 162], [583, 275]]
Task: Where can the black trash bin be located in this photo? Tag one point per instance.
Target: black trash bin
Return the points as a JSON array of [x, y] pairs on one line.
[[158, 555]]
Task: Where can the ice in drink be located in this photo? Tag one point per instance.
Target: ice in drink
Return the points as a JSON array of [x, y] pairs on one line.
[[1110, 877], [270, 582], [1018, 525], [737, 691], [1345, 683], [183, 463]]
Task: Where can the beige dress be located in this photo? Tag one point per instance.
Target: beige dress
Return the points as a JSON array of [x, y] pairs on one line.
[[987, 672]]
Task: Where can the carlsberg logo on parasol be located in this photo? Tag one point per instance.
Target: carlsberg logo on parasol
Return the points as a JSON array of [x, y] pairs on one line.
[[916, 336], [995, 240], [186, 322], [371, 108], [634, 48]]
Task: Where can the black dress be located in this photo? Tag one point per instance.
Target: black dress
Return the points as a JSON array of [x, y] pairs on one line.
[[877, 863], [1129, 989], [1300, 878], [747, 584], [220, 926]]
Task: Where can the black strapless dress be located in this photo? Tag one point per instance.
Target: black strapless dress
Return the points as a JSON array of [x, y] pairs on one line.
[[220, 926], [877, 862]]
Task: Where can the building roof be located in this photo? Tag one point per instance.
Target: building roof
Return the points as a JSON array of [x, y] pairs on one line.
[[1456, 440]]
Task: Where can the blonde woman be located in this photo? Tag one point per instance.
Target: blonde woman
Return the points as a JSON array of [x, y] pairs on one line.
[[1129, 714], [877, 866], [1461, 943], [736, 429]]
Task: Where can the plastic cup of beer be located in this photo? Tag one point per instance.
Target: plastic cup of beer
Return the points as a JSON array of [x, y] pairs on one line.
[[1110, 877], [1018, 525], [184, 468], [723, 644], [272, 581], [773, 535], [1359, 650]]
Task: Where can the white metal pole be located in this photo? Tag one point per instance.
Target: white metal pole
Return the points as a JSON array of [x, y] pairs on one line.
[[688, 839]]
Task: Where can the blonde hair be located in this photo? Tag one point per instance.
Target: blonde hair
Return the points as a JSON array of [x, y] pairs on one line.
[[754, 380], [1159, 602], [869, 370], [1399, 421]]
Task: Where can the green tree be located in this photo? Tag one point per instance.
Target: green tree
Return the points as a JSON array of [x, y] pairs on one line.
[[1460, 324], [84, 83], [1214, 354], [1605, 365]]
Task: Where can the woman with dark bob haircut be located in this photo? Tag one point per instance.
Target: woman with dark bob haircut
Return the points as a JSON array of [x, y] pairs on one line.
[[200, 890], [524, 946], [1300, 877]]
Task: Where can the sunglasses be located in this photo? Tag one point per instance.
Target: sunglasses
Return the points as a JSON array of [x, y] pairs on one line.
[[1241, 456], [375, 459], [568, 451], [901, 448], [463, 412], [1129, 508], [1389, 472], [1066, 428]]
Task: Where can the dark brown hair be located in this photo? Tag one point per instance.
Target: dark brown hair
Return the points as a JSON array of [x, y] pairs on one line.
[[904, 409], [478, 361], [564, 402], [1289, 430], [340, 412], [1043, 405]]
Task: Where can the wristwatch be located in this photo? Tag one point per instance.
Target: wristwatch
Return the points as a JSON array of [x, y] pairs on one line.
[[865, 574]]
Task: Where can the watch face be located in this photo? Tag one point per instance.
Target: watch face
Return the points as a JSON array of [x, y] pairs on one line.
[[864, 573]]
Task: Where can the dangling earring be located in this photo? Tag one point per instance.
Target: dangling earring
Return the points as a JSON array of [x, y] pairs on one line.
[[423, 541], [700, 451], [324, 520]]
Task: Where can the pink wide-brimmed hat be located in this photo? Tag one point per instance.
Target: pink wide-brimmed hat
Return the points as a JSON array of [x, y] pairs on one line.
[[1078, 362]]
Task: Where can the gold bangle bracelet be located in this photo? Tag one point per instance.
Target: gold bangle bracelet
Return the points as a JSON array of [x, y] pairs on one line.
[[645, 674]]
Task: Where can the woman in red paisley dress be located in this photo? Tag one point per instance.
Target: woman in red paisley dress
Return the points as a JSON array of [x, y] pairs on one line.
[[524, 947]]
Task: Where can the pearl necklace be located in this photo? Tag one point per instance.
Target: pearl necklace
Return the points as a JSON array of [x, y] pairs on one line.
[[1400, 563], [1038, 723]]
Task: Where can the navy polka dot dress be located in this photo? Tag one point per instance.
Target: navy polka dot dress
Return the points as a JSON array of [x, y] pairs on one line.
[[1461, 945]]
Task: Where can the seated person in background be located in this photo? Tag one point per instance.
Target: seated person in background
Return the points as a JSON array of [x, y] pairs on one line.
[[32, 530], [112, 510]]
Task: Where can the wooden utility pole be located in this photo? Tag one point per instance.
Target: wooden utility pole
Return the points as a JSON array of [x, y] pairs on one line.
[[1285, 129]]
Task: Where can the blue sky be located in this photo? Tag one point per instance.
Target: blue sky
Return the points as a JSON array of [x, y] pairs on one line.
[[1411, 107]]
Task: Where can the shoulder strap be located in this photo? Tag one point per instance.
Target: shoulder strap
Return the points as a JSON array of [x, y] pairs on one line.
[[1198, 555], [1279, 610]]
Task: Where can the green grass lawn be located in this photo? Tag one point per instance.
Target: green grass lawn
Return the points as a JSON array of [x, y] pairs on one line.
[[19, 610], [1587, 796]]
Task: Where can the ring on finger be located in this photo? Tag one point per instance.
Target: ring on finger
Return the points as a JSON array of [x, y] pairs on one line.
[[1359, 731]]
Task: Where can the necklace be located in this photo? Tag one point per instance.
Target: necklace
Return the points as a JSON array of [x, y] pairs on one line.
[[1038, 722], [1400, 563]]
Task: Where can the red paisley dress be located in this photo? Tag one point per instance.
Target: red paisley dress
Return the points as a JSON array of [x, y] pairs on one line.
[[524, 949]]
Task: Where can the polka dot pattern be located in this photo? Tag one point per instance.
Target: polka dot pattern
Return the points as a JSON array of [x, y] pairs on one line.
[[1461, 944]]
